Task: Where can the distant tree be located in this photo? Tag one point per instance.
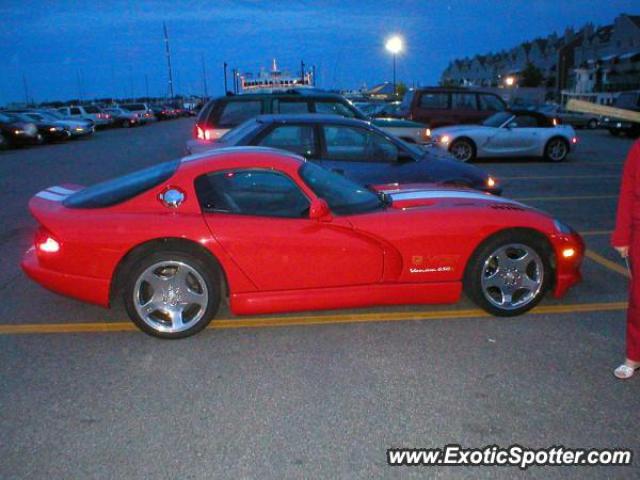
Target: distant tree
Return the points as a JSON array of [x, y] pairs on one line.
[[531, 76], [401, 89], [448, 82]]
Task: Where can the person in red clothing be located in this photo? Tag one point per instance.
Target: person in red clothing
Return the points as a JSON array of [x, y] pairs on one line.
[[626, 240]]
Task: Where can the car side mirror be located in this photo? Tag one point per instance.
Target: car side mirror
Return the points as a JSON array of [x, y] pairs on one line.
[[320, 211]]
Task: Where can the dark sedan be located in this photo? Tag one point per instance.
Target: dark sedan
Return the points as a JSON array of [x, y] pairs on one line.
[[15, 132], [50, 130], [355, 148]]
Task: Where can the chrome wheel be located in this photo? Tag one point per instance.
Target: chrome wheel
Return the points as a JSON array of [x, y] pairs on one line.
[[512, 276], [170, 296], [557, 150], [462, 150]]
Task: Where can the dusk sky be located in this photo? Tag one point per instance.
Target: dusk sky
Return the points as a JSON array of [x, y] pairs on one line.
[[103, 49]]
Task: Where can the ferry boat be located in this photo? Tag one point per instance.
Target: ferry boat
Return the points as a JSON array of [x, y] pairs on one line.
[[274, 80]]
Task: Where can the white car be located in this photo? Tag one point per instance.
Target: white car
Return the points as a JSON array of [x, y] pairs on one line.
[[515, 133]]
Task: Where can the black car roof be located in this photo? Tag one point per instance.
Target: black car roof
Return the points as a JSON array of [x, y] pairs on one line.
[[310, 118]]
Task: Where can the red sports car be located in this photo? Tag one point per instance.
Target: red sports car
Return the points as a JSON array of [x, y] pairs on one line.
[[275, 233]]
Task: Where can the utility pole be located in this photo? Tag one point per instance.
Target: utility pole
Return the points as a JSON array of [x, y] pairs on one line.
[[235, 80], [26, 89], [131, 82], [79, 85], [225, 77], [166, 45], [302, 71], [204, 76]]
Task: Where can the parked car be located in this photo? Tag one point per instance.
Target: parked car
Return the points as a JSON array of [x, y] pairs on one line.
[[439, 106], [575, 119], [89, 112], [514, 133], [144, 112], [275, 233], [15, 132], [49, 130], [222, 114], [164, 112], [354, 148], [79, 127], [626, 101], [123, 117]]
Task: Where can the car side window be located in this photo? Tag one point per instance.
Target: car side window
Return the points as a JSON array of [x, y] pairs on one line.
[[358, 145], [251, 192], [75, 111], [291, 106], [334, 108], [524, 121], [299, 139], [234, 113], [463, 101], [489, 103], [434, 101]]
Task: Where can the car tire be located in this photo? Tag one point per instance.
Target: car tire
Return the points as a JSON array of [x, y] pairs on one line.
[[172, 294], [556, 150], [463, 149], [125, 124], [518, 284], [592, 124]]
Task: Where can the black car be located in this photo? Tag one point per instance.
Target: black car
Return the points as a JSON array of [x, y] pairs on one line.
[[616, 126], [357, 149], [51, 131], [15, 132]]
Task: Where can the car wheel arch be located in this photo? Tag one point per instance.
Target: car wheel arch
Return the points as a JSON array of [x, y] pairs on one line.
[[536, 235], [558, 137], [148, 247]]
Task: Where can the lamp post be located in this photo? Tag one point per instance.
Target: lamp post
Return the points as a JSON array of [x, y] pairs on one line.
[[394, 46]]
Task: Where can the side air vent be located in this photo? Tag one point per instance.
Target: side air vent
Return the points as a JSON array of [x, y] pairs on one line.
[[498, 206]]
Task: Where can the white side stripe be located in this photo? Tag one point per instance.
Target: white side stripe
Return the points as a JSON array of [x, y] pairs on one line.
[[435, 194], [61, 190], [51, 196]]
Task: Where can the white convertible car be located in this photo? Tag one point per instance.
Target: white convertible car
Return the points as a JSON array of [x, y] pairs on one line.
[[515, 133]]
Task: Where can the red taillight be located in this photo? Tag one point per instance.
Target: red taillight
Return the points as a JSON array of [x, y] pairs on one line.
[[45, 242], [198, 133], [574, 140]]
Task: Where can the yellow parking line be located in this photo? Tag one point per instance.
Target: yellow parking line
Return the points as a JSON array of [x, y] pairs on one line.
[[605, 262], [268, 322], [560, 199]]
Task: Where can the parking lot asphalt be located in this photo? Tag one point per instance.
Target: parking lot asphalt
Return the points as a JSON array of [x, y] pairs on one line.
[[318, 394]]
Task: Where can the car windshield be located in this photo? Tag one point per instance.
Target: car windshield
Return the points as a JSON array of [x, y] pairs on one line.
[[55, 115], [47, 116], [497, 119], [233, 137], [343, 196]]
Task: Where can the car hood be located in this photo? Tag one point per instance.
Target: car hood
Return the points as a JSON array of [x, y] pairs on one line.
[[458, 129], [425, 195], [395, 123]]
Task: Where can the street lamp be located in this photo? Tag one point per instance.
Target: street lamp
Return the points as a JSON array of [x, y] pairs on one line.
[[394, 45]]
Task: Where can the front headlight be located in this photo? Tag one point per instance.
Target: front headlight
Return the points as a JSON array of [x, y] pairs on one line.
[[563, 227], [445, 139]]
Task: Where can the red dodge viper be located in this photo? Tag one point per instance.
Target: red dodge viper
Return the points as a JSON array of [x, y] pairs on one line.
[[274, 233]]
